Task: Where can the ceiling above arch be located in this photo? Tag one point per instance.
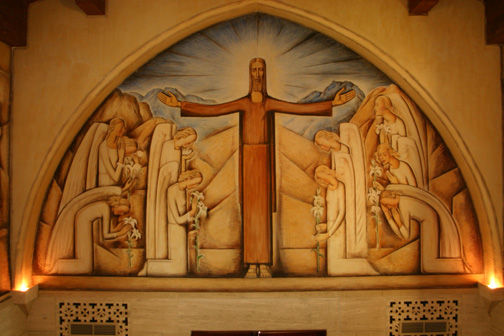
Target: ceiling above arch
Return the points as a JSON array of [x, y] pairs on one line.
[[14, 17]]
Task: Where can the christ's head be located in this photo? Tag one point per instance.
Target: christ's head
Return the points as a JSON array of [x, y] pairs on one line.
[[257, 69]]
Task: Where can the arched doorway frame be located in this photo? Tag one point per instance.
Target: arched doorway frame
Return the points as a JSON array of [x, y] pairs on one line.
[[492, 249]]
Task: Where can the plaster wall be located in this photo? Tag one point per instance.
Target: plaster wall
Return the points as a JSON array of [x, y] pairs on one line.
[[72, 61], [347, 313], [497, 319], [12, 319]]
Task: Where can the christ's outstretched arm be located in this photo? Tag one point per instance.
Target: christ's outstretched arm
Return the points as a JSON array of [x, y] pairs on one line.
[[323, 108], [188, 109]]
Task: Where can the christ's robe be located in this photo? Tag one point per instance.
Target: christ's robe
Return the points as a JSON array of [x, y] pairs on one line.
[[257, 163]]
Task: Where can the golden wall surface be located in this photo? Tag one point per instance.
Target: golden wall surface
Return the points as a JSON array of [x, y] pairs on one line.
[[73, 61]]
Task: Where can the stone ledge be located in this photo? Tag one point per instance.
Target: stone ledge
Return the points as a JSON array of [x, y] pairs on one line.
[[256, 285]]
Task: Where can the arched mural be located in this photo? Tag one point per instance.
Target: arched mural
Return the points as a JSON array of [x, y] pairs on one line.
[[258, 148]]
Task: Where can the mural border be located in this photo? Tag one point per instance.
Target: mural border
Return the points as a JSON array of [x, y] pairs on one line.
[[484, 208]]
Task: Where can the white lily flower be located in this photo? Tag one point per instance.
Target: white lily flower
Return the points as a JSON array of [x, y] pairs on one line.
[[135, 234], [199, 195], [382, 127], [373, 196], [317, 211], [318, 200], [128, 161], [375, 210], [375, 171], [187, 151], [137, 169], [131, 221], [128, 169], [133, 170], [378, 128], [202, 209]]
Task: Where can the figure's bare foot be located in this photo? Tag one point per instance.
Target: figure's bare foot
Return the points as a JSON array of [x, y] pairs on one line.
[[252, 272], [264, 271]]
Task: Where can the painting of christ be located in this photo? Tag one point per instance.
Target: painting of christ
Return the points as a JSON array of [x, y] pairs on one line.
[[217, 145], [256, 125]]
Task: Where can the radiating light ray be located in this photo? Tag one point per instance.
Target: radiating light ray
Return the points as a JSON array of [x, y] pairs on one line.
[[214, 62]]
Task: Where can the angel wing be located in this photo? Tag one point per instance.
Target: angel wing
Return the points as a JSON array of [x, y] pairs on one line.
[[83, 171], [158, 181], [408, 152], [415, 130], [351, 137]]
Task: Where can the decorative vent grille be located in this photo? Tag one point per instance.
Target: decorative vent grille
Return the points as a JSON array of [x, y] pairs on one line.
[[423, 318], [92, 329], [93, 318]]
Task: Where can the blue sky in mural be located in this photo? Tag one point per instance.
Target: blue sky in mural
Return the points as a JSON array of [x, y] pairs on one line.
[[213, 64]]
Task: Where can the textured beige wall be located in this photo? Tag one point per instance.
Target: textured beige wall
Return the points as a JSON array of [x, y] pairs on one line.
[[72, 61], [497, 319], [351, 313], [12, 318]]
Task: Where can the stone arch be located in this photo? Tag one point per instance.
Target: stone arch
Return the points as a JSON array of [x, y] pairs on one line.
[[485, 211]]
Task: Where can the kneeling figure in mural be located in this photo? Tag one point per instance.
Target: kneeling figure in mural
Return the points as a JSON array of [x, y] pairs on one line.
[[440, 247]]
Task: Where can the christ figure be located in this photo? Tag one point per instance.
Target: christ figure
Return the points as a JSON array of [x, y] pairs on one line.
[[257, 116]]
